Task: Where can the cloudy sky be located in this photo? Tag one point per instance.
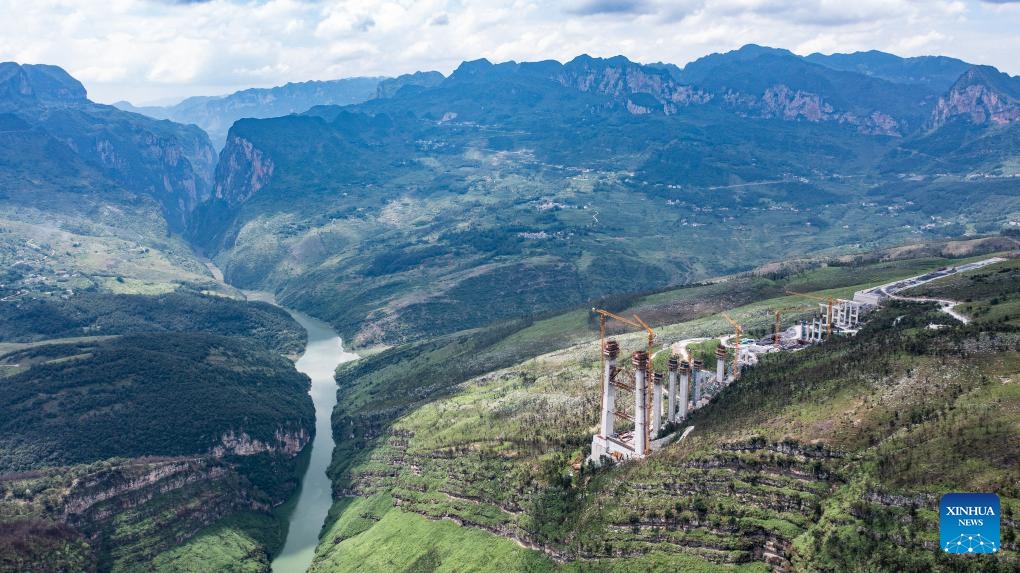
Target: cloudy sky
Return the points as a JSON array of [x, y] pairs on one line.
[[150, 51]]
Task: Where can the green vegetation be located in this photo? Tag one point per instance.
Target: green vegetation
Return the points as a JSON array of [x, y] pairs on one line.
[[991, 294], [33, 546], [125, 397], [121, 448], [183, 310], [237, 543], [785, 468], [505, 191], [423, 546]]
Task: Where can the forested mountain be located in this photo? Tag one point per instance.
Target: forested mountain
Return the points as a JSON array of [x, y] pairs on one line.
[[829, 458], [48, 119], [143, 409], [937, 72], [453, 227], [396, 218]]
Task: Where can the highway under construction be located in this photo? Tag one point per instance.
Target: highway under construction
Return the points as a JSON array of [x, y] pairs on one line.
[[643, 409]]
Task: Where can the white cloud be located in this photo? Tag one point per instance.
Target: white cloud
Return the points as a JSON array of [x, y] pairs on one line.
[[166, 49]]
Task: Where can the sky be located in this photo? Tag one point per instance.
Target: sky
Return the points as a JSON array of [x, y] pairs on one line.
[[160, 51]]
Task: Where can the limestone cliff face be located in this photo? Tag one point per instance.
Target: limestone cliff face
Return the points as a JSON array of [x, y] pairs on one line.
[[620, 78], [187, 493], [171, 162], [288, 442], [243, 170], [661, 92], [175, 168], [162, 501], [981, 96], [780, 101], [131, 486]]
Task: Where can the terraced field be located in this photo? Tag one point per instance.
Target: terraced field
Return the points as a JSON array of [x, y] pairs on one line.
[[783, 469]]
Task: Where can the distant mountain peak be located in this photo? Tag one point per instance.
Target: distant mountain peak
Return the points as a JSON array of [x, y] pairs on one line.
[[755, 50], [469, 68], [38, 82], [936, 72], [982, 96]]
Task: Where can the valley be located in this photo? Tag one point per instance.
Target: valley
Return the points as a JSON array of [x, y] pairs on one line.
[[323, 353], [451, 234]]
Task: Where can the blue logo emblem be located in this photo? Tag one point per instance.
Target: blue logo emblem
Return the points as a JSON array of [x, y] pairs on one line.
[[969, 523]]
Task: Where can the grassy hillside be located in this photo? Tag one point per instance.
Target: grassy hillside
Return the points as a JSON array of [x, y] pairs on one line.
[[989, 295], [819, 460]]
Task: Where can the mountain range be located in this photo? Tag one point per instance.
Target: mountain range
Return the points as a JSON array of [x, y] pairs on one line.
[[554, 167], [452, 229], [215, 115]]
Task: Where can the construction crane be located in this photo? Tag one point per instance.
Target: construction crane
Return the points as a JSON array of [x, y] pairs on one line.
[[648, 329], [828, 300], [604, 314], [775, 338], [737, 330], [637, 323]]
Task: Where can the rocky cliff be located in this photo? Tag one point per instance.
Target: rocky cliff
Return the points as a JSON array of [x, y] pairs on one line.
[[170, 162], [982, 96], [620, 78], [243, 170], [785, 87], [127, 511]]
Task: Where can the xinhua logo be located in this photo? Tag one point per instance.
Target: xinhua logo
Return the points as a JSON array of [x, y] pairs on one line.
[[969, 523]]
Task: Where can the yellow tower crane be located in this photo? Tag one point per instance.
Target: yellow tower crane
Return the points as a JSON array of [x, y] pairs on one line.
[[637, 323], [737, 330], [604, 314], [829, 301]]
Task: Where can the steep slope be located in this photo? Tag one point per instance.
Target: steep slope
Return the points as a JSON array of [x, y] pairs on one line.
[[117, 398], [543, 185], [981, 96], [127, 447], [90, 196], [171, 163], [166, 426], [776, 83], [814, 461], [215, 115], [974, 130]]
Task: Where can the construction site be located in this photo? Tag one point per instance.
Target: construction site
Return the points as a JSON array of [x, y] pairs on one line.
[[651, 406]]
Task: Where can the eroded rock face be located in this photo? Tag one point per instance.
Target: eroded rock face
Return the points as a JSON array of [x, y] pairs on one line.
[[979, 104], [982, 96], [241, 444], [619, 78], [243, 170], [782, 102], [101, 487], [171, 162]]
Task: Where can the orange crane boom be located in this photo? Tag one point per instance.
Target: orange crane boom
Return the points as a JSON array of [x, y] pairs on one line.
[[737, 329], [648, 329]]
